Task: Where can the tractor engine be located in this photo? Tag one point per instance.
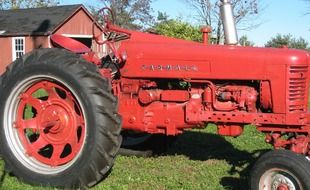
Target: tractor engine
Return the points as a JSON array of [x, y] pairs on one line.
[[169, 108]]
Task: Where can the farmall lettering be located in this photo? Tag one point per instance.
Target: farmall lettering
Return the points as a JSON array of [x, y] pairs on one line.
[[170, 67], [63, 114]]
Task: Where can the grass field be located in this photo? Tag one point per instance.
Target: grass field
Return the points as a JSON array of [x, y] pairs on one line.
[[199, 159]]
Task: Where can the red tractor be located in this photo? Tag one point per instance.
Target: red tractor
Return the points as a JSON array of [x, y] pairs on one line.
[[62, 113]]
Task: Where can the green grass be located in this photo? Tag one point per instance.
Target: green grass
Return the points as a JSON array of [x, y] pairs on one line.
[[199, 159]]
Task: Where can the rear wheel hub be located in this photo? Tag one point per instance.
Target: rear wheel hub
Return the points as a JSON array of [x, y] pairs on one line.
[[49, 123], [57, 123]]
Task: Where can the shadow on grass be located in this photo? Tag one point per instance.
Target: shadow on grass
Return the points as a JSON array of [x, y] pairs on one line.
[[204, 146], [2, 177]]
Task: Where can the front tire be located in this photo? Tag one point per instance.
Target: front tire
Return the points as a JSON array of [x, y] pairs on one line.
[[281, 170], [60, 125]]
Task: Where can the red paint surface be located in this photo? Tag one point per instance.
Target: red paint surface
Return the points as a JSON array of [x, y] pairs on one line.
[[56, 123], [278, 103], [70, 44]]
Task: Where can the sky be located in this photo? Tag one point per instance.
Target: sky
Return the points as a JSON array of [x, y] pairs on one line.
[[278, 17]]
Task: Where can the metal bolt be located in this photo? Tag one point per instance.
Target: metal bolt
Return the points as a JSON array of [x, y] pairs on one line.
[[55, 113], [23, 96], [15, 125], [29, 153]]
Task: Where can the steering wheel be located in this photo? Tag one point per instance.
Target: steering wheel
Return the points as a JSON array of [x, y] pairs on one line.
[[105, 12]]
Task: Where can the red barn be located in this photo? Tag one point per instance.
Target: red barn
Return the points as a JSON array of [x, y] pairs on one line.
[[23, 30]]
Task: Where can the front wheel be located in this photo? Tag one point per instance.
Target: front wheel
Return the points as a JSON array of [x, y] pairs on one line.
[[59, 121], [281, 170]]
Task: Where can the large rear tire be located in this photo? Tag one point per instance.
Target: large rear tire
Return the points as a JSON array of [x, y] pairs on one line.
[[281, 170], [59, 121]]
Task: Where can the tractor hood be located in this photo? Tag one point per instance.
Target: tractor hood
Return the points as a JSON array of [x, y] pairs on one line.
[[151, 56]]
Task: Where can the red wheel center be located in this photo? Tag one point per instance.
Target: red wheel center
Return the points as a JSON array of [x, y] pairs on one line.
[[51, 121], [55, 122], [283, 187], [51, 127]]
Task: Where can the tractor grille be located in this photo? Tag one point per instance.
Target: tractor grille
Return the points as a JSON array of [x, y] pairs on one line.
[[297, 92]]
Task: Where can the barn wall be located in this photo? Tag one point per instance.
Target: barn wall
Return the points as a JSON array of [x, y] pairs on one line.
[[6, 50], [5, 53], [81, 24], [35, 42]]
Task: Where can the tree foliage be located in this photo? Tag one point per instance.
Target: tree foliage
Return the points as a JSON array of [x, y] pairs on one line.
[[244, 41], [246, 13], [177, 28], [18, 4], [130, 14], [289, 41]]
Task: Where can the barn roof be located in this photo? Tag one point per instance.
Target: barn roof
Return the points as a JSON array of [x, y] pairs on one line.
[[35, 21]]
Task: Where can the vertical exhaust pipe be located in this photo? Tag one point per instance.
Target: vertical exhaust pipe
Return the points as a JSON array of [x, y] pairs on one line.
[[230, 32]]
